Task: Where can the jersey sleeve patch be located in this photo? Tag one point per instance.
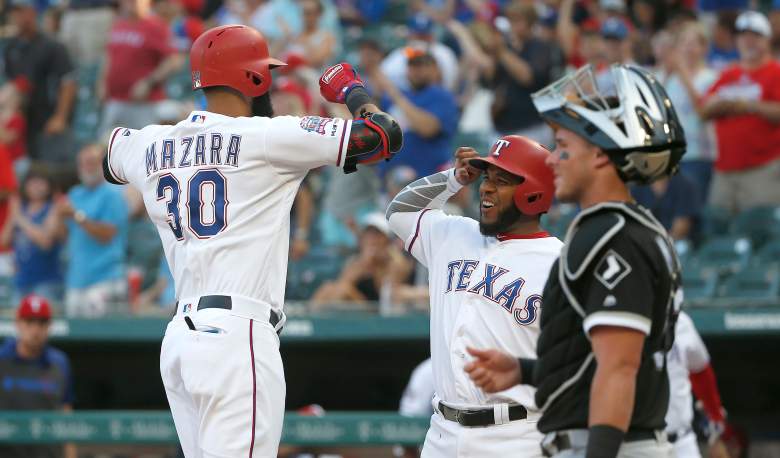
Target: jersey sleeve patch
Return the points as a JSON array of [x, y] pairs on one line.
[[320, 126], [612, 269]]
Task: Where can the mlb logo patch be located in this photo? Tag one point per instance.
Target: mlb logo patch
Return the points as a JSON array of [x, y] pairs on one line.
[[198, 118], [186, 308]]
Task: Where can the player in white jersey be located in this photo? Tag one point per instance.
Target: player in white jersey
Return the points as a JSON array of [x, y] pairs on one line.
[[219, 186], [485, 281], [688, 364]]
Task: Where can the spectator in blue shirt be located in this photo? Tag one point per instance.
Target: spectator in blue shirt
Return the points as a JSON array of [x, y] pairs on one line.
[[674, 202], [34, 376], [427, 112], [32, 231], [96, 216]]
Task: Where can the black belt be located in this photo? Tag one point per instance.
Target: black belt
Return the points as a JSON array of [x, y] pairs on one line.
[[479, 417], [563, 442], [226, 302]]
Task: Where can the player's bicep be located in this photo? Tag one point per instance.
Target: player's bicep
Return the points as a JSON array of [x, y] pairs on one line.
[[114, 163], [299, 144], [619, 288]]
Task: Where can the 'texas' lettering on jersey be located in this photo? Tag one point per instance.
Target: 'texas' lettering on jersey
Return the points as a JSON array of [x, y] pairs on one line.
[[459, 280], [203, 149]]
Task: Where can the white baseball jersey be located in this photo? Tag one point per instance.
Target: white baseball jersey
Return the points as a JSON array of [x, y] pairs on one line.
[[688, 355], [220, 189], [485, 292]]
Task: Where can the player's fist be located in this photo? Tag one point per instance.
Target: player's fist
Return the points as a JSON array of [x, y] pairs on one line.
[[464, 172], [337, 81], [492, 370]]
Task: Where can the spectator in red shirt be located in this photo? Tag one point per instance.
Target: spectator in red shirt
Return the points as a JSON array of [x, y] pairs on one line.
[[140, 57], [745, 105], [7, 190], [13, 126]]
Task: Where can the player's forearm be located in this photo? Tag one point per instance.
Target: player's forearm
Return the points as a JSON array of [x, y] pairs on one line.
[[102, 232], [66, 97], [167, 67], [767, 110], [432, 191], [612, 396], [429, 192]]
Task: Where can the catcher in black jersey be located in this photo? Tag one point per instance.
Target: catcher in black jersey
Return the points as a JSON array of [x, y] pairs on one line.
[[612, 298]]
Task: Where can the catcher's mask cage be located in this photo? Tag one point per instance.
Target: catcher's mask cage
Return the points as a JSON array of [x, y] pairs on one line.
[[623, 110]]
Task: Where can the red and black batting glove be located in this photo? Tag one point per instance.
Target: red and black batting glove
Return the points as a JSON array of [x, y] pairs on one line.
[[337, 81]]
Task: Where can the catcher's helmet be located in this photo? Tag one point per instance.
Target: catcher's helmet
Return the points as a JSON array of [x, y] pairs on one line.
[[525, 158], [624, 111], [235, 56]]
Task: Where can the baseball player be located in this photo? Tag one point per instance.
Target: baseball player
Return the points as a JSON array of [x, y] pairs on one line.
[[611, 300], [688, 363], [219, 186], [485, 281]]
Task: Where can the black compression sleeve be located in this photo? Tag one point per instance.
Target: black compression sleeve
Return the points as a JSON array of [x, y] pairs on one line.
[[356, 98], [604, 441]]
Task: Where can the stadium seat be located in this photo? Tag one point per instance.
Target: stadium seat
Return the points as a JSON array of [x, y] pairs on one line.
[[699, 283], [759, 224], [305, 275], [769, 255], [754, 283], [715, 221], [6, 292], [724, 254]]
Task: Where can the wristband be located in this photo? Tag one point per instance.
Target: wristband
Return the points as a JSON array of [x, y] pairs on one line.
[[79, 216], [604, 441], [357, 96]]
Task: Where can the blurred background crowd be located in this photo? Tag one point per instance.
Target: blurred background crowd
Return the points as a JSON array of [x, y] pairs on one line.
[[453, 72]]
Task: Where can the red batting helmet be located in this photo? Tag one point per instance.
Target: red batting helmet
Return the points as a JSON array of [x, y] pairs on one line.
[[235, 56], [525, 158]]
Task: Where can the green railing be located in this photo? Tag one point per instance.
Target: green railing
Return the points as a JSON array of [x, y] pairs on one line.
[[151, 427], [714, 321]]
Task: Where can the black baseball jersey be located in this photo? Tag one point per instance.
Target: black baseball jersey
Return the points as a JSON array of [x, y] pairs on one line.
[[618, 268]]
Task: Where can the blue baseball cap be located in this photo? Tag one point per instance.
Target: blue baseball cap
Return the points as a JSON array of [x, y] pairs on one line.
[[420, 24], [614, 28]]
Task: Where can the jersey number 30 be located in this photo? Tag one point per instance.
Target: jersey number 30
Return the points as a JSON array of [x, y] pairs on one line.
[[195, 215]]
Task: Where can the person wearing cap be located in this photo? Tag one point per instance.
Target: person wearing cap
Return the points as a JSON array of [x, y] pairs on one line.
[[744, 105], [485, 284], [617, 45], [377, 265], [46, 65], [35, 375], [140, 56], [426, 111], [421, 40], [520, 64]]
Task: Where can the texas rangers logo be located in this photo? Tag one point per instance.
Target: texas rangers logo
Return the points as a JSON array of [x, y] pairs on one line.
[[315, 124], [498, 146]]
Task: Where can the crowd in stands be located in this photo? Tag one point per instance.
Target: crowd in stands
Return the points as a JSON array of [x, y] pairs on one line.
[[452, 72]]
